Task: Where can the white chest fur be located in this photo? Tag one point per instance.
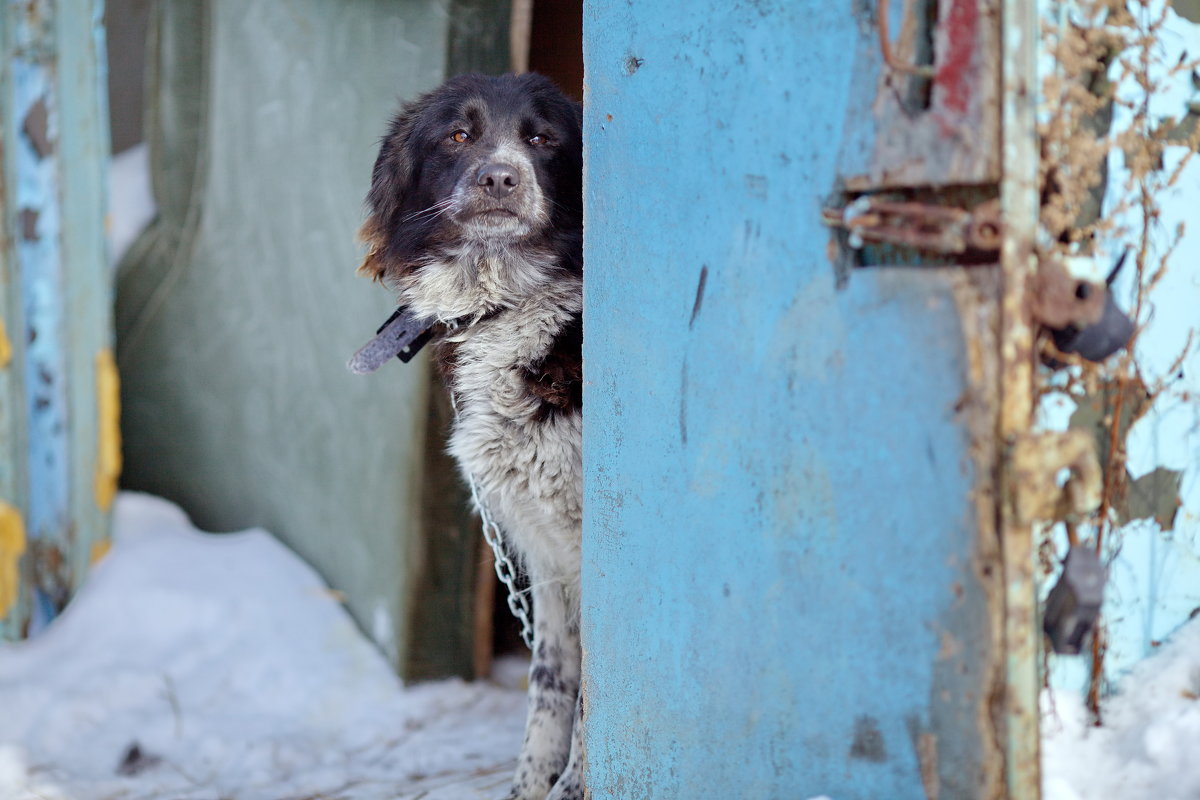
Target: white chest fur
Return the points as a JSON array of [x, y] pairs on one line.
[[527, 464]]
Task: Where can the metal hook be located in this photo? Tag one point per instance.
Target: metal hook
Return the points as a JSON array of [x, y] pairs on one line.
[[885, 47], [1112, 275]]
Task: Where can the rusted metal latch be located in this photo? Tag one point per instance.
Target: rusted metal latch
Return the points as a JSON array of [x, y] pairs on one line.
[[922, 226], [1035, 461], [1073, 606]]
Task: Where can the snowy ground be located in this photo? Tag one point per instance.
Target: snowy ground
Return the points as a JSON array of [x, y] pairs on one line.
[[219, 666], [1146, 749], [206, 667]]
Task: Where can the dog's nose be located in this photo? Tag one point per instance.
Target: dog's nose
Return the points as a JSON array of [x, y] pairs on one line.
[[498, 180]]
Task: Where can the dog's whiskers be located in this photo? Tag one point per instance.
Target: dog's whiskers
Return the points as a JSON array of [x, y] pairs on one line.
[[434, 211]]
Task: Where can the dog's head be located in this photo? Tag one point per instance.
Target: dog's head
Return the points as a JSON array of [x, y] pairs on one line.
[[490, 163]]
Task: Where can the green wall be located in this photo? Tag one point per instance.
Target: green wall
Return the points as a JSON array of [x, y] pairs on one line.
[[238, 310]]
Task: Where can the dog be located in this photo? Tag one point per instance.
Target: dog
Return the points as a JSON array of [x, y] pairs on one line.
[[475, 220]]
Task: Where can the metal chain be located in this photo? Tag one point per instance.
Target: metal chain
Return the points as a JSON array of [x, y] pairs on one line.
[[506, 571]]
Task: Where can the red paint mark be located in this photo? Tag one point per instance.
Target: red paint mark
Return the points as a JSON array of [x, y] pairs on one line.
[[946, 128], [952, 76]]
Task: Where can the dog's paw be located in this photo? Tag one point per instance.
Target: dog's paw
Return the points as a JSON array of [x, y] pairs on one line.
[[523, 788], [518, 794], [567, 787]]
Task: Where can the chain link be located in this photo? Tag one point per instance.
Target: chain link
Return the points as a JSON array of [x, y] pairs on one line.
[[506, 571]]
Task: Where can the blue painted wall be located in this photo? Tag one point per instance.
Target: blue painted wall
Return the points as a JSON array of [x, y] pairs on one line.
[[781, 593]]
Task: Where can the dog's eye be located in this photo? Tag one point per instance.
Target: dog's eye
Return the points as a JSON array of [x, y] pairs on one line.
[[539, 139], [460, 136]]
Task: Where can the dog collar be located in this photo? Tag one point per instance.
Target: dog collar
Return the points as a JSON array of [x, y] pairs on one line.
[[402, 337]]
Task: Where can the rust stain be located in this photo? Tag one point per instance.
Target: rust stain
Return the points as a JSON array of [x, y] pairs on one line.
[[976, 295], [108, 412], [926, 744], [5, 346], [12, 547]]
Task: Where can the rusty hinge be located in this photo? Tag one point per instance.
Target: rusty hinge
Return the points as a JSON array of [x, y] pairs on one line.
[[918, 225]]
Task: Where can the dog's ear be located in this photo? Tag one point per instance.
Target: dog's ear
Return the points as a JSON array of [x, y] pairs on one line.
[[390, 184], [392, 171], [373, 265]]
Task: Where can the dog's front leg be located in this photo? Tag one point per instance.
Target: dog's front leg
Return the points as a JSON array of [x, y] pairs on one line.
[[553, 692], [570, 784]]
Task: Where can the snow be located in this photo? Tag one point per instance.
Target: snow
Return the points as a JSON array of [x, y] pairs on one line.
[[220, 666], [1147, 745], [130, 199], [235, 673]]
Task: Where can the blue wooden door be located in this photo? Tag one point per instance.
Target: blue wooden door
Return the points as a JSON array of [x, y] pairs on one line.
[[792, 580]]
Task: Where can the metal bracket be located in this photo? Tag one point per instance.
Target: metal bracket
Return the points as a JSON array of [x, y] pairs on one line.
[[922, 226], [1073, 301], [1073, 605]]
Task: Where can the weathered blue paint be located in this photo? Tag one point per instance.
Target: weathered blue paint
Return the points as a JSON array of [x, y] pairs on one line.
[[13, 459], [39, 274], [39, 260], [57, 294], [780, 586]]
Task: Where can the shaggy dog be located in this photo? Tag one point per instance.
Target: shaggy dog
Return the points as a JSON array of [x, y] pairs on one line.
[[476, 221]]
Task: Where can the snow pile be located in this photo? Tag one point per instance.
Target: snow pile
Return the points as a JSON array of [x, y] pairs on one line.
[[130, 199], [202, 666], [1147, 745]]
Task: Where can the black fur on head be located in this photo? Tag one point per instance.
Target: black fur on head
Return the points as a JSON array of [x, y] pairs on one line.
[[429, 197]]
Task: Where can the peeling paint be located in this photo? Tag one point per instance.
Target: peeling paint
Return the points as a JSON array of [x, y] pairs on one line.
[[5, 346], [57, 304], [37, 128], [108, 411], [100, 549], [29, 224], [12, 547]]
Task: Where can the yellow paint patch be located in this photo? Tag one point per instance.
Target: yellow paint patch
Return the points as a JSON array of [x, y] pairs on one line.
[[5, 346], [12, 546], [100, 549], [108, 412]]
